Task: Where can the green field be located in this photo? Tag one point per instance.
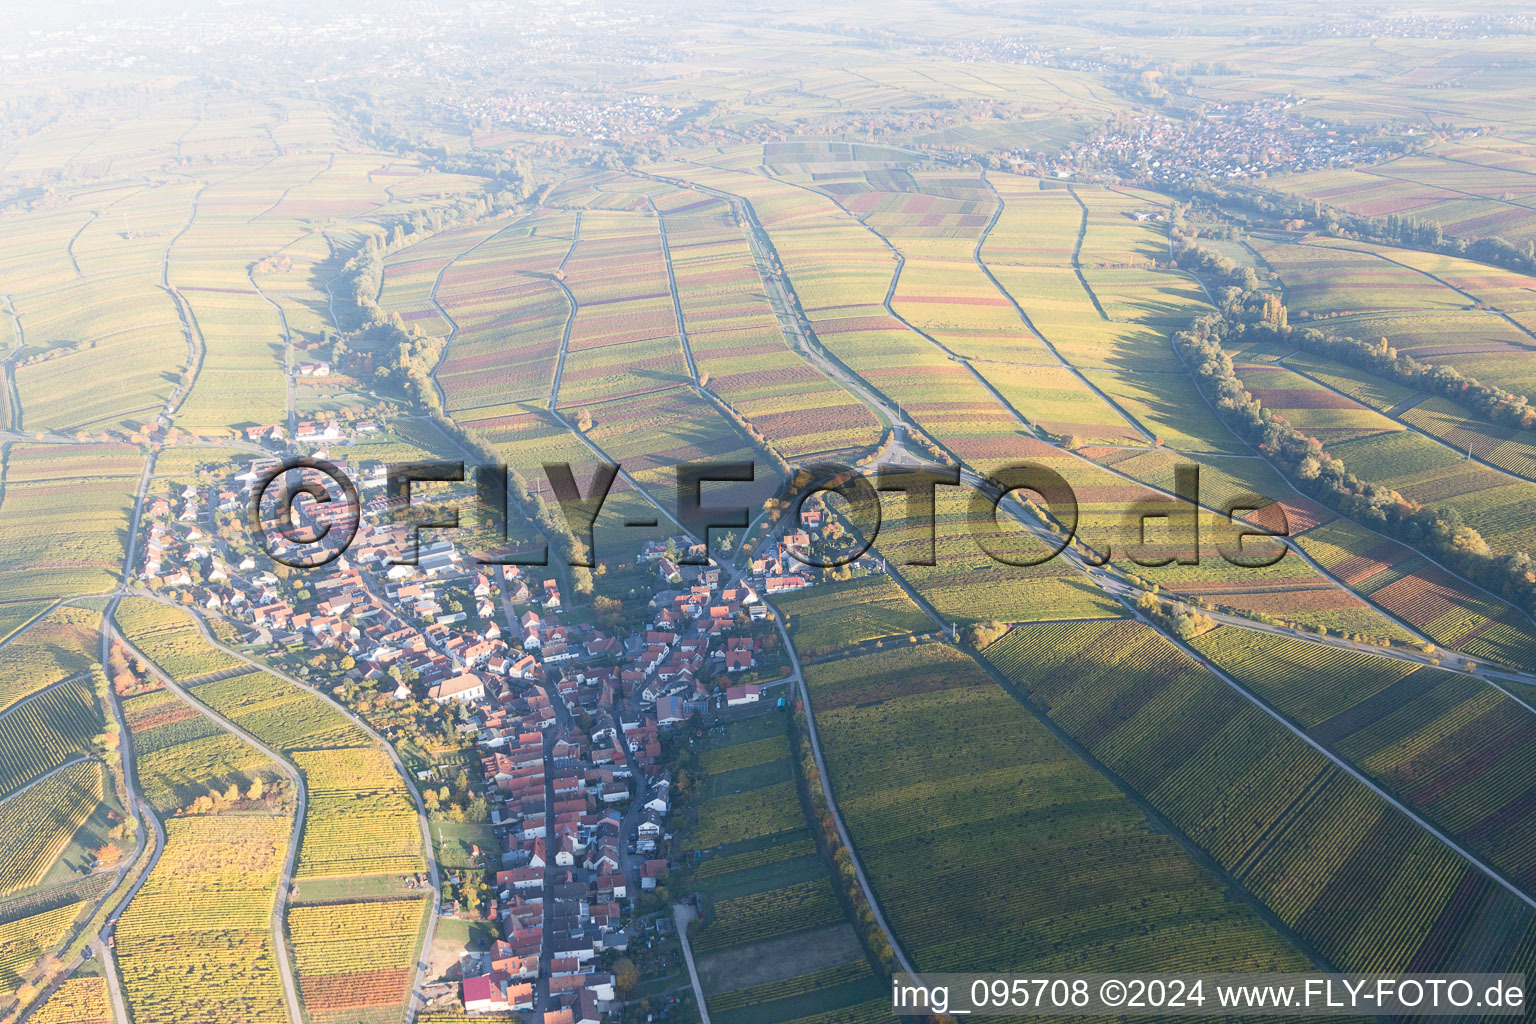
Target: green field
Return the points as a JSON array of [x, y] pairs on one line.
[[776, 944], [826, 618], [1234, 779], [961, 774]]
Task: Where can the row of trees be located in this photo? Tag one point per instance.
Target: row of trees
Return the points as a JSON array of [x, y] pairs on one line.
[[1391, 229], [1377, 357], [863, 915], [1258, 317], [409, 358], [1178, 618]]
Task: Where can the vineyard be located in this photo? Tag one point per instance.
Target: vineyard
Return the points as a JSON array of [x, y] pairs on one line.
[[714, 867], [1496, 504], [765, 915], [1366, 388], [745, 755], [736, 339], [775, 943], [1308, 682], [39, 822], [945, 791], [875, 1011], [361, 820], [170, 639], [1454, 748], [1255, 797], [737, 817], [352, 956], [967, 585], [855, 970], [196, 942], [1311, 407], [1055, 399], [1425, 596], [77, 1001], [25, 939], [55, 647], [1509, 449], [15, 615], [888, 675], [182, 753], [832, 615], [676, 243], [281, 715], [46, 730], [44, 554]]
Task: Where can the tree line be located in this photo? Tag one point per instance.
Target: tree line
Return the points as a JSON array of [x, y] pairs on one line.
[[1378, 357], [1251, 316]]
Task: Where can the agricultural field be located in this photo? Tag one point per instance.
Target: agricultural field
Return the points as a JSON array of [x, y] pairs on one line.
[[15, 615], [197, 939], [757, 813], [1511, 450], [1453, 748], [960, 763], [361, 821], [1465, 199], [181, 752], [24, 939], [42, 820], [103, 343], [840, 272], [49, 554], [48, 729], [1492, 287], [1495, 503], [1288, 590], [60, 644], [1310, 405], [508, 309], [1477, 342], [652, 435], [168, 637], [1409, 587], [1113, 237], [862, 236], [623, 338], [956, 304], [1008, 593], [1441, 310], [355, 958], [1054, 399], [1365, 388], [777, 944], [279, 713], [1169, 408], [736, 339], [1321, 279], [411, 273], [826, 618], [77, 1001], [1260, 803]]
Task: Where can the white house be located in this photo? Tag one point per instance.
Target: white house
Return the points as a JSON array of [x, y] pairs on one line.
[[739, 695], [467, 686]]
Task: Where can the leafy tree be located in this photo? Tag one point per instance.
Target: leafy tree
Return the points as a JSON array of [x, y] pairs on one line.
[[625, 974]]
